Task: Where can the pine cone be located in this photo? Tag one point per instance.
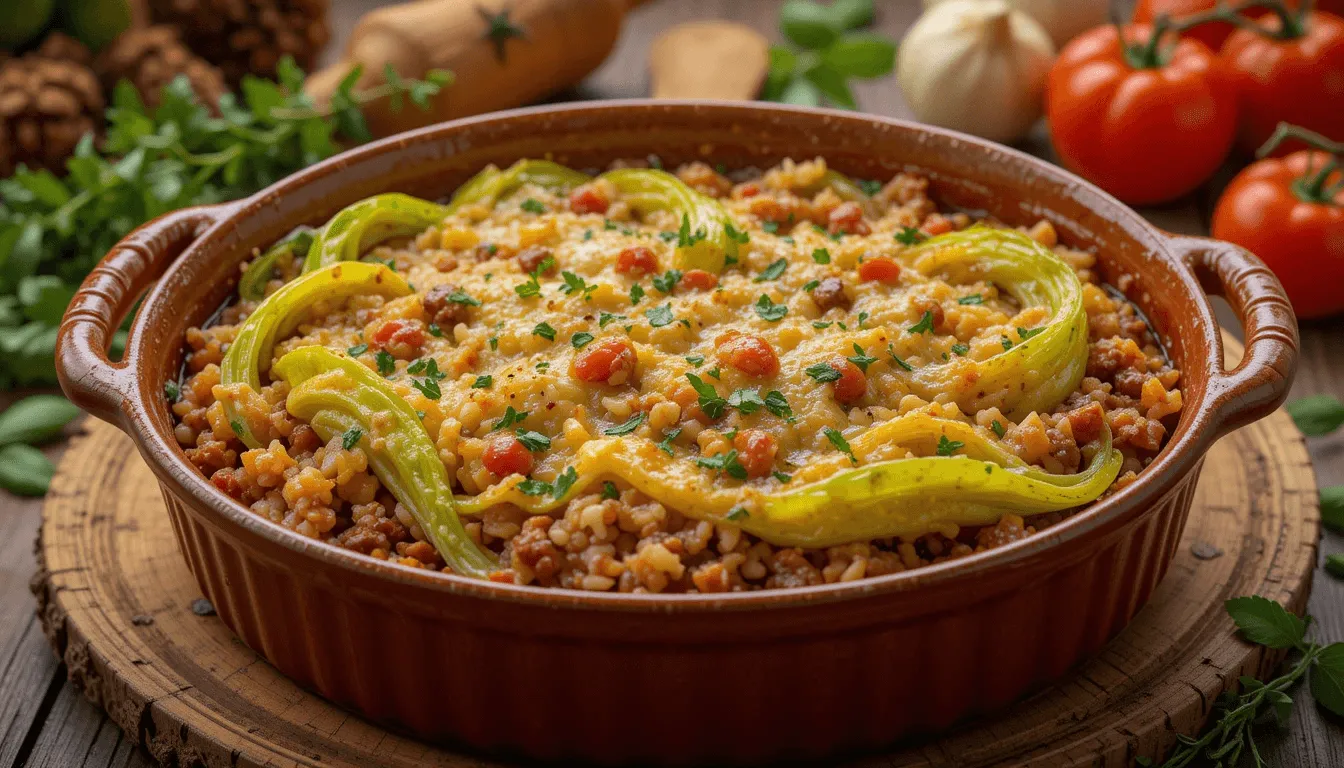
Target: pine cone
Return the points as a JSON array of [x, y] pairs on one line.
[[46, 107], [63, 47], [248, 36], [151, 58]]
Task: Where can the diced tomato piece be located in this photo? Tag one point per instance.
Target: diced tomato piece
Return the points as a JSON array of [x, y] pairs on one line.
[[699, 280], [852, 384], [402, 338], [748, 189], [847, 218], [609, 362], [226, 480], [747, 353], [505, 455], [529, 259], [588, 199], [880, 269], [756, 450], [637, 260], [936, 224]]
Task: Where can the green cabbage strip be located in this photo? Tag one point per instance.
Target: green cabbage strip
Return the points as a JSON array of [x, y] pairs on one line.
[[492, 184], [844, 187], [252, 285], [362, 225], [704, 241], [337, 395], [1032, 374], [282, 312], [914, 496]]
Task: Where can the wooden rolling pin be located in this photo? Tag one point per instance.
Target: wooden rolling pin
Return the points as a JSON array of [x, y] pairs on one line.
[[503, 53]]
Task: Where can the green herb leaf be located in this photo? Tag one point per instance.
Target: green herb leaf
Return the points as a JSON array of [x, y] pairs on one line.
[[850, 14], [925, 324], [910, 236], [895, 358], [581, 339], [776, 403], [808, 24], [822, 373], [738, 513], [484, 381], [172, 390], [821, 256], [696, 360], [387, 364], [509, 418], [533, 441], [770, 311], [1334, 565], [24, 470], [574, 284], [960, 349], [636, 293], [1327, 678], [1265, 622], [530, 487], [841, 444], [1027, 333], [357, 350], [971, 300], [724, 462], [861, 359], [428, 387], [781, 476], [772, 271], [746, 401], [532, 206], [832, 85], [997, 427], [609, 490], [563, 482], [1317, 415], [660, 316], [351, 437], [948, 447], [666, 443], [861, 56], [710, 402], [458, 297], [626, 427], [667, 281], [804, 94], [36, 419], [685, 237], [544, 330], [1332, 507]]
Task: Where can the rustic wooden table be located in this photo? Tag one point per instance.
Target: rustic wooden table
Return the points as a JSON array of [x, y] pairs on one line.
[[44, 721]]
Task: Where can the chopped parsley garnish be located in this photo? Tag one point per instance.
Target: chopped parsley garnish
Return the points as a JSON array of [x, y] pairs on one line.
[[357, 350], [997, 427], [960, 349], [822, 373], [772, 271], [606, 318], [666, 442], [819, 325], [870, 187], [841, 444], [636, 293], [458, 297], [667, 281], [948, 447], [543, 365], [781, 477], [172, 390], [387, 365], [1027, 333], [685, 237], [734, 234], [925, 324], [811, 285], [237, 427], [564, 481], [609, 490], [509, 418], [910, 236], [776, 403], [738, 513], [575, 284], [660, 316], [533, 441], [971, 300], [350, 437], [710, 402], [608, 225], [544, 330], [1006, 342], [770, 311], [435, 331], [626, 427], [532, 206], [667, 237], [483, 381], [587, 235], [821, 256], [770, 226], [581, 339], [714, 372], [494, 343], [724, 462], [428, 366], [891, 350], [531, 487], [428, 387], [861, 358], [696, 360], [746, 400], [863, 318]]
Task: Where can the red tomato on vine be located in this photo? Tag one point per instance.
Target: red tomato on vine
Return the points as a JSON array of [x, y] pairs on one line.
[[1213, 33], [1291, 69], [1289, 211], [1146, 122]]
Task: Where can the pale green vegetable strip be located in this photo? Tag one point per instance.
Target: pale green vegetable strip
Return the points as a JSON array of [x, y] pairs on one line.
[[492, 184], [336, 394], [252, 285], [282, 312], [704, 219], [362, 225]]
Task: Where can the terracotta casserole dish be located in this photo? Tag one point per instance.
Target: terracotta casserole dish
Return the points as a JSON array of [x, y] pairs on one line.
[[726, 678]]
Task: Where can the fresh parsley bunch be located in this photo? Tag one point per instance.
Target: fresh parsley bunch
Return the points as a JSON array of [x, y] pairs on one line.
[[828, 53], [53, 230], [1317, 416]]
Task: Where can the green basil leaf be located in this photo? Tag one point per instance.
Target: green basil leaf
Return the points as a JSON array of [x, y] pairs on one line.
[[832, 85], [1317, 415], [851, 14], [1265, 622], [24, 470], [861, 56], [1332, 507], [800, 92], [808, 24], [35, 419], [782, 64], [44, 298]]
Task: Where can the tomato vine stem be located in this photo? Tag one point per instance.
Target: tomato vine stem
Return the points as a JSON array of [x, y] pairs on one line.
[[1148, 54], [1314, 186]]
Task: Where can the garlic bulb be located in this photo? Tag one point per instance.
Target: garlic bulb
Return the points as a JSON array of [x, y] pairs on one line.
[[1063, 19], [976, 66]]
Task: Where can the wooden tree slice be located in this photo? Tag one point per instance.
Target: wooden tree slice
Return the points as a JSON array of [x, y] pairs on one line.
[[116, 600]]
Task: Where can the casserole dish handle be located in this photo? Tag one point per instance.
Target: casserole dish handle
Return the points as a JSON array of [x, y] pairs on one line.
[[1259, 383], [92, 381]]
